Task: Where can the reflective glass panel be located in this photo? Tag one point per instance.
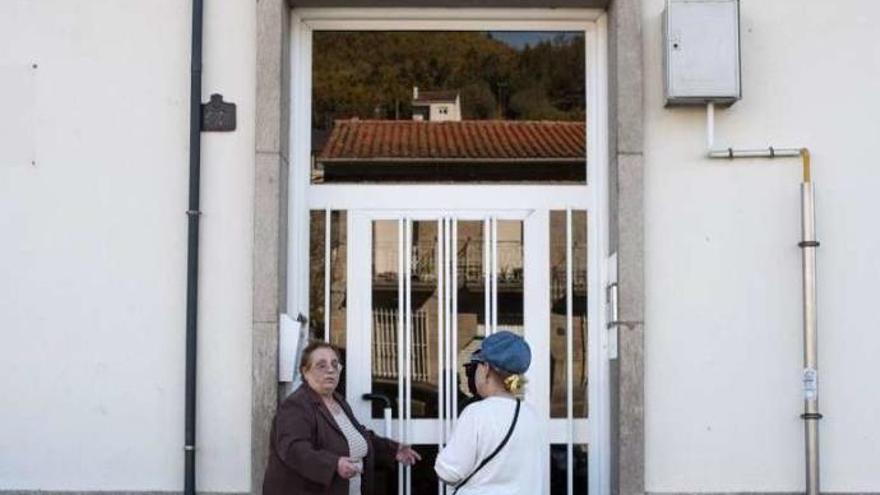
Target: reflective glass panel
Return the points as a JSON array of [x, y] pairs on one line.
[[559, 467], [440, 107], [471, 314], [425, 332], [317, 273], [319, 252], [558, 313], [385, 261], [510, 275]]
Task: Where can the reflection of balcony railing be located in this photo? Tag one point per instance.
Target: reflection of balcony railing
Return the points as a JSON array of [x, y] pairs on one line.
[[423, 262], [471, 267], [385, 345], [471, 262], [578, 282]]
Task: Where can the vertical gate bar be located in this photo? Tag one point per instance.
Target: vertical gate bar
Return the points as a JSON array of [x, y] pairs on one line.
[[447, 276], [494, 274], [569, 372], [327, 231], [441, 308], [441, 299], [449, 318], [408, 339], [447, 309], [454, 372], [399, 341], [444, 334], [487, 273]]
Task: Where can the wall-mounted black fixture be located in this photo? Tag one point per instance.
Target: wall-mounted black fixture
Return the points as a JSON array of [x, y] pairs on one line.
[[218, 115]]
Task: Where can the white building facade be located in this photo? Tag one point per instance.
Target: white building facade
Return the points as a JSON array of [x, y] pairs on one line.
[[700, 391]]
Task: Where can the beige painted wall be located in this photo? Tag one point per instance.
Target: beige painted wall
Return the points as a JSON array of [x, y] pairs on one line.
[[723, 324], [92, 262]]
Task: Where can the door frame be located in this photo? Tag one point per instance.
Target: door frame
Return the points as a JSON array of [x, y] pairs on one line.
[[304, 196]]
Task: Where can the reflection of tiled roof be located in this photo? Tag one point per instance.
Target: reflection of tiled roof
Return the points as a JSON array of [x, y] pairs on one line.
[[426, 97], [472, 140]]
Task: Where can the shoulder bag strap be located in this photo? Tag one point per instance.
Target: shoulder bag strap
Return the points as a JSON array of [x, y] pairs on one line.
[[497, 449]]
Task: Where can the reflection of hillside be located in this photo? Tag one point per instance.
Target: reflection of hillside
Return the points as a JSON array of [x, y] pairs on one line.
[[544, 81]]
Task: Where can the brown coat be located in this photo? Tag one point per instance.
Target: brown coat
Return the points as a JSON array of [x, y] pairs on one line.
[[306, 443]]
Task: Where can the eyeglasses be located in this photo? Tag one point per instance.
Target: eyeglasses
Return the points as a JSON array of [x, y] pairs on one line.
[[472, 365], [324, 367]]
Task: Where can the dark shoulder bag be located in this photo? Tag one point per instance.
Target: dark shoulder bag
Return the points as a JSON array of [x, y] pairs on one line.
[[495, 452]]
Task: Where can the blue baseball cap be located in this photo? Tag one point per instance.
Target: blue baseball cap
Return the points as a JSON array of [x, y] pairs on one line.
[[505, 351]]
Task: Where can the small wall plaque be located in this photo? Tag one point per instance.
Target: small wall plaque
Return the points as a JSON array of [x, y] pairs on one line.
[[218, 115]]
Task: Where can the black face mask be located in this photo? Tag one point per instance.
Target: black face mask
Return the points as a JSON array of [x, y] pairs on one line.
[[470, 369]]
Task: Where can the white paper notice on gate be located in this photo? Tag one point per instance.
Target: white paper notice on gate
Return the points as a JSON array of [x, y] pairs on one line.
[[288, 347]]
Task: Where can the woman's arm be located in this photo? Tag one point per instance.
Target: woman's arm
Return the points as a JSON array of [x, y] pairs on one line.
[[456, 461], [294, 428], [384, 449]]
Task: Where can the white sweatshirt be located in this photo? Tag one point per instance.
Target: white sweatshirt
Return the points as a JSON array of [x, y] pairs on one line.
[[518, 469]]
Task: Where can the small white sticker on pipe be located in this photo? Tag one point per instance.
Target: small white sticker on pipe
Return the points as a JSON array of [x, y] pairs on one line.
[[811, 378]]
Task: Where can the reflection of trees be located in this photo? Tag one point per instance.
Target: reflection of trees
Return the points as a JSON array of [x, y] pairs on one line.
[[542, 81]]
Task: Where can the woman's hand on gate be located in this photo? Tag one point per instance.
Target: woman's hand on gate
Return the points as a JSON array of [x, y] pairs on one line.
[[406, 455]]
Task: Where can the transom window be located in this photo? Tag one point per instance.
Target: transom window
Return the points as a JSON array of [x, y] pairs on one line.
[[448, 106]]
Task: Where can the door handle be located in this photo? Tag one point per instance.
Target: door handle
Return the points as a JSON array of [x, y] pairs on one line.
[[386, 402]]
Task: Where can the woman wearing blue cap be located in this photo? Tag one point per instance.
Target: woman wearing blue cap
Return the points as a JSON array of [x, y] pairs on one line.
[[497, 443]]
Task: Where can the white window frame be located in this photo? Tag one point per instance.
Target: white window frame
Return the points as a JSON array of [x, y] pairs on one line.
[[304, 196]]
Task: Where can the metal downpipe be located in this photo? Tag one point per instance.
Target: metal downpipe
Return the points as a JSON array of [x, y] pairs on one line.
[[808, 247], [192, 250]]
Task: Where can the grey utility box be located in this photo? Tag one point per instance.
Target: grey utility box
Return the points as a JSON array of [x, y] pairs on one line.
[[701, 53]]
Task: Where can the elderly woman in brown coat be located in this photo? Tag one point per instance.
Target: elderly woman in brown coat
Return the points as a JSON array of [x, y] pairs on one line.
[[316, 445]]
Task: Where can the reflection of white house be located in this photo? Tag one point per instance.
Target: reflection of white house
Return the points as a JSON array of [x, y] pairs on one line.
[[436, 105]]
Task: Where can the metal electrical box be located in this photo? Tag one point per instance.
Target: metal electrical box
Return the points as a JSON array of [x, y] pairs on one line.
[[701, 55]]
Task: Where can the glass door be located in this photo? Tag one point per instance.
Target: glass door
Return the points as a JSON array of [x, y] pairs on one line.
[[448, 184]]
